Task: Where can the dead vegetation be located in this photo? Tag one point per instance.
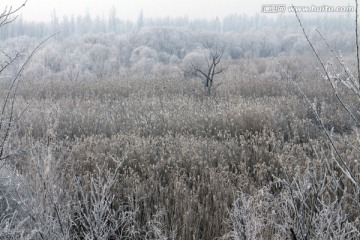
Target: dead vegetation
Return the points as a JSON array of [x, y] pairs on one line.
[[161, 161]]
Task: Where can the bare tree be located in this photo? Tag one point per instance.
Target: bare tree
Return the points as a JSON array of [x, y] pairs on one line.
[[212, 59]]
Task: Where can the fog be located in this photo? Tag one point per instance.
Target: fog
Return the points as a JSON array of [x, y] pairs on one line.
[[43, 10]]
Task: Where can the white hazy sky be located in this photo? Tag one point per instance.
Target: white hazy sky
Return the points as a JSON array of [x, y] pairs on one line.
[[40, 10]]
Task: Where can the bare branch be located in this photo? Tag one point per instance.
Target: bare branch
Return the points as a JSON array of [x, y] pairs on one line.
[[6, 15], [11, 97], [326, 72], [340, 162], [356, 91], [198, 70], [10, 59]]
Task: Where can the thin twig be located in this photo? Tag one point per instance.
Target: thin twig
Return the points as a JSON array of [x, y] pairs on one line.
[[13, 89], [340, 162], [326, 73], [10, 60], [348, 74], [8, 13]]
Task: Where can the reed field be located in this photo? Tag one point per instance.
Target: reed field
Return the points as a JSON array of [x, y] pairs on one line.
[[156, 158]]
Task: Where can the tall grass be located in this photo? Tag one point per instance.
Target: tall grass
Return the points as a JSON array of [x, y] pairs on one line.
[[134, 158]]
